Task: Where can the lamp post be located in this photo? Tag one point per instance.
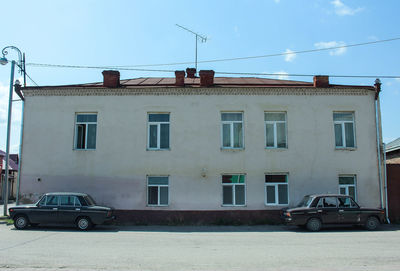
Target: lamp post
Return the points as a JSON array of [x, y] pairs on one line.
[[4, 61]]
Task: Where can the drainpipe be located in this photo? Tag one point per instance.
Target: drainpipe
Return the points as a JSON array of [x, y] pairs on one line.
[[378, 135], [18, 92], [386, 196]]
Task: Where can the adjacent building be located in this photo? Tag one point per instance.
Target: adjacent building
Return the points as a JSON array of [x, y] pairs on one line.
[[202, 148]]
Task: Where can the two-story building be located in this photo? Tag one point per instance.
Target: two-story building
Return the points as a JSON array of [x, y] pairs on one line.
[[202, 149]]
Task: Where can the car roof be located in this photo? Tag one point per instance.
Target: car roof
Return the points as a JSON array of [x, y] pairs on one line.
[[66, 193], [328, 195]]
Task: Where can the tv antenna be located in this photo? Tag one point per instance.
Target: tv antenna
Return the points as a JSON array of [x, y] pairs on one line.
[[198, 37]]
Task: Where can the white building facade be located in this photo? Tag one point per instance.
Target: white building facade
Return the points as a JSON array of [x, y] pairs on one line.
[[201, 144]]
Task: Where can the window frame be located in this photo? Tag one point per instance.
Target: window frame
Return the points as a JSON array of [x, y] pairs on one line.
[[75, 147], [233, 185], [346, 186], [158, 124], [342, 125], [276, 187], [275, 130], [158, 191], [231, 128]]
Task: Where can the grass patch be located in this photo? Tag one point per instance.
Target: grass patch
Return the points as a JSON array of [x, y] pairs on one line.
[[6, 220]]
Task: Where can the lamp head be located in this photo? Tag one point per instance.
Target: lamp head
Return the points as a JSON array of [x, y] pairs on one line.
[[17, 82], [3, 61]]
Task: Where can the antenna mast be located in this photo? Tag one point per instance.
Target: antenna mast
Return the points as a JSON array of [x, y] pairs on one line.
[[198, 37]]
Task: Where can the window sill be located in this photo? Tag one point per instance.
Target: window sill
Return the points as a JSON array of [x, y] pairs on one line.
[[157, 206], [275, 149], [83, 149], [230, 205], [232, 149], [276, 205], [345, 149], [158, 149]]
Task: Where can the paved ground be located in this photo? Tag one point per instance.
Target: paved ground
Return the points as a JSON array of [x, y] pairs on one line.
[[199, 248]]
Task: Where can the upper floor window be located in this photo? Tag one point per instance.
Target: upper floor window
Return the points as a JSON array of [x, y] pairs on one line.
[[347, 185], [232, 130], [276, 189], [158, 131], [85, 131], [344, 129], [275, 130], [233, 190]]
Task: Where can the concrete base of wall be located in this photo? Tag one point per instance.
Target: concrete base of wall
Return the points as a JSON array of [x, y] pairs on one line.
[[146, 217]]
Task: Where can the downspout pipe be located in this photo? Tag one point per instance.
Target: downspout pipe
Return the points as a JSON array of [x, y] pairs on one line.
[[17, 89], [386, 194], [378, 136]]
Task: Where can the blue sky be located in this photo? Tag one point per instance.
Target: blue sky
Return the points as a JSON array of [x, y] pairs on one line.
[[101, 33]]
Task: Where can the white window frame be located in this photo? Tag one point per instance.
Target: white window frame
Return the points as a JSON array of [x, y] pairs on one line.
[[86, 130], [231, 122], [342, 124], [275, 185], [275, 130], [158, 191], [158, 124], [346, 186], [234, 190]]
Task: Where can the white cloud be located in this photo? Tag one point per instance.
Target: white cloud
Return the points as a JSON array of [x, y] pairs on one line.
[[277, 1], [16, 106], [329, 44], [342, 10], [281, 75], [290, 55]]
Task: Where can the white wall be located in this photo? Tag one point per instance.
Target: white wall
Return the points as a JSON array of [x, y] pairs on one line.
[[115, 173]]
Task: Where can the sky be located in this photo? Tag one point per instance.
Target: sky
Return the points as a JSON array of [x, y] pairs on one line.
[[131, 33]]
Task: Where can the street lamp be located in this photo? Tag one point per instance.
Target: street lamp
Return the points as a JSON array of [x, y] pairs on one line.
[[4, 61]]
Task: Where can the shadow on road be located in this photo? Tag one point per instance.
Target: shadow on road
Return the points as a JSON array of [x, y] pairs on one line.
[[206, 229]]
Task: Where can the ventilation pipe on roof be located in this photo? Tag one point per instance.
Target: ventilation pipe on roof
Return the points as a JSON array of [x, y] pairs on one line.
[[179, 78], [110, 79], [206, 78], [191, 72], [321, 81]]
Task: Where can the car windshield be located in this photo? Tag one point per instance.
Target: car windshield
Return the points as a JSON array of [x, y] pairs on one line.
[[305, 201], [90, 201]]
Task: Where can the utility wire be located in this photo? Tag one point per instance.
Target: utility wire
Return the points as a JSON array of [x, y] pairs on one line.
[[226, 59], [24, 71]]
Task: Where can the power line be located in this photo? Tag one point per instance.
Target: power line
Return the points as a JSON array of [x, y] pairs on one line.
[[310, 75], [230, 59], [24, 72]]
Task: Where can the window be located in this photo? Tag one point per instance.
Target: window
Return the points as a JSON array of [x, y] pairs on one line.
[[233, 190], [232, 130], [275, 130], [327, 202], [69, 201], [345, 202], [51, 200], [344, 129], [276, 189], [157, 190], [347, 186], [158, 131], [85, 131]]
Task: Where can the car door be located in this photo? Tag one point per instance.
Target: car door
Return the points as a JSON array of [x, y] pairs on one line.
[[327, 210], [69, 209], [348, 211], [46, 210]]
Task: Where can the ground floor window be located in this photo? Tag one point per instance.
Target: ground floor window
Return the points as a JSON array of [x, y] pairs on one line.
[[347, 185], [233, 190], [157, 190], [276, 189]]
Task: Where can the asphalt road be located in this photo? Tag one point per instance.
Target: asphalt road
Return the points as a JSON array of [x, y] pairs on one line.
[[199, 248]]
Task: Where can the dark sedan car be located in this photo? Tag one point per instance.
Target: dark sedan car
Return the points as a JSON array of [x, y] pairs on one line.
[[61, 208], [317, 210]]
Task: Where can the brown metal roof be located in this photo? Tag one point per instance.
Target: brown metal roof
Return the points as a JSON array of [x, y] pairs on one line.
[[155, 82]]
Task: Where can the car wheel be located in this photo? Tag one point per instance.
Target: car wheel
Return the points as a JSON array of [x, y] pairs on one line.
[[83, 223], [372, 223], [314, 224], [21, 222]]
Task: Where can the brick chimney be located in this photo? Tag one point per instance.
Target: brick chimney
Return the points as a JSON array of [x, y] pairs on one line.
[[321, 81], [191, 72], [206, 78], [110, 79], [179, 78]]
